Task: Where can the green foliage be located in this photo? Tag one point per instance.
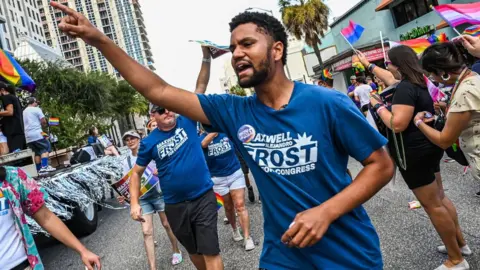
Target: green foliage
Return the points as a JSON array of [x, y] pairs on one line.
[[81, 100], [237, 90], [417, 32], [307, 20]]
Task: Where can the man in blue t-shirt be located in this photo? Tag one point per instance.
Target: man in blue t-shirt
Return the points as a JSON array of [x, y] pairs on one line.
[[296, 139], [228, 182]]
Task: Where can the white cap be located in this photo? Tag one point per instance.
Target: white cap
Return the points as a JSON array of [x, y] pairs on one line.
[[131, 134]]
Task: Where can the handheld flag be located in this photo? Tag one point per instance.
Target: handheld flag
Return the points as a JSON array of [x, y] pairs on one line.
[[434, 91], [53, 121], [352, 32], [457, 14], [215, 50], [13, 73], [219, 201], [473, 31]]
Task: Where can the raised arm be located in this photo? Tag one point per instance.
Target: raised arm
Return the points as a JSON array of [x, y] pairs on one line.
[[147, 83], [383, 74], [204, 75]]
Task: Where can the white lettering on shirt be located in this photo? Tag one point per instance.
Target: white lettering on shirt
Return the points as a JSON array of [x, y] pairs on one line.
[[220, 148], [169, 146]]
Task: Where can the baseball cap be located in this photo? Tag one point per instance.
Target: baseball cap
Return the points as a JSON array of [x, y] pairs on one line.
[[156, 108], [131, 133], [353, 77], [31, 100]]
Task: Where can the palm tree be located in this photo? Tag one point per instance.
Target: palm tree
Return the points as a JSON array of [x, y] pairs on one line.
[[307, 20]]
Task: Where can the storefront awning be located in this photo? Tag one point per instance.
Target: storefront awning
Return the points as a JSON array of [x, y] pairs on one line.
[[384, 5], [442, 24]]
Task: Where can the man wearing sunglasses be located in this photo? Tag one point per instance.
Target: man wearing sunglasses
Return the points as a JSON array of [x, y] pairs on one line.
[[190, 203]]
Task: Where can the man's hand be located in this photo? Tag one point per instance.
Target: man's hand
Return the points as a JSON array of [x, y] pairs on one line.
[[121, 199], [91, 260], [422, 116], [206, 52], [136, 212], [308, 228], [76, 25], [472, 44]]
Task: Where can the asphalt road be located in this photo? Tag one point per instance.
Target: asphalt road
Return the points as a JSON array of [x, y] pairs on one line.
[[407, 237]]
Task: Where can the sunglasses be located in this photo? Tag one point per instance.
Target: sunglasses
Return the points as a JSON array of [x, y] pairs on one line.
[[159, 110]]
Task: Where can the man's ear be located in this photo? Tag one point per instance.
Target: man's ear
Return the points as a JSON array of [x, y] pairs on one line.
[[277, 50]]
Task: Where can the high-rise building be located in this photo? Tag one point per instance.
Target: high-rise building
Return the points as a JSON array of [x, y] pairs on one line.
[[120, 20], [22, 18]]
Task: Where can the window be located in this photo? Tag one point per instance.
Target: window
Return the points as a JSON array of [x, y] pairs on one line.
[[8, 44], [19, 6], [29, 14], [33, 28], [23, 21], [16, 31], [36, 28], [410, 10]]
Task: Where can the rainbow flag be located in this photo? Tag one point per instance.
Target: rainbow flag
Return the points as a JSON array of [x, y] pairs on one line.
[[457, 14], [434, 91], [352, 32], [327, 75], [53, 121], [13, 73], [219, 201], [473, 31], [438, 38]]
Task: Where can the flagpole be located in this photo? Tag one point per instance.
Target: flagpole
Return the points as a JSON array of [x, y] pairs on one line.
[[441, 16], [355, 51], [383, 47]]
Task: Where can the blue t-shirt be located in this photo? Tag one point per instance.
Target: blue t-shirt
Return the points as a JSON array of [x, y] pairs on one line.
[[476, 67], [299, 158], [181, 166], [92, 139], [220, 155]]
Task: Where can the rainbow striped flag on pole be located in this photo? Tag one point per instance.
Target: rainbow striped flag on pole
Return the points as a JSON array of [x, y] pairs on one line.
[[53, 121]]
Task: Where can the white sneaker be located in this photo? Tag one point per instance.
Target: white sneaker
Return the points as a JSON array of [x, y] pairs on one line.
[[236, 235], [461, 266], [249, 244], [47, 169], [466, 251]]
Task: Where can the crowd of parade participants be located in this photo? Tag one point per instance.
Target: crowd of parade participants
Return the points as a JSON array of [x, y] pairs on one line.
[[296, 140]]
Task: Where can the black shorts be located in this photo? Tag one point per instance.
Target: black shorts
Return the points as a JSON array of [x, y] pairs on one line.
[[194, 223], [39, 147], [365, 108], [421, 168], [16, 142]]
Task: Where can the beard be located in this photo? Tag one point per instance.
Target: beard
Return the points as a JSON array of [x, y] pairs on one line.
[[259, 76]]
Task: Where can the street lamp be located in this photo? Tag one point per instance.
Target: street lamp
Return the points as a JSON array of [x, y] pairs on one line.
[[266, 10]]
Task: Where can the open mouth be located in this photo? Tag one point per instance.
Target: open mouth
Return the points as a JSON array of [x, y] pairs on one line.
[[243, 69]]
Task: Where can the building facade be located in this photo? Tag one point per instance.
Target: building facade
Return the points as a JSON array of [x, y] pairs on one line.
[[395, 19], [21, 18], [120, 20]]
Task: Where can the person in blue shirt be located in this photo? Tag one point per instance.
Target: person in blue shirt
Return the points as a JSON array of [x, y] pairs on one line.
[[296, 139], [190, 203], [229, 182], [95, 137]]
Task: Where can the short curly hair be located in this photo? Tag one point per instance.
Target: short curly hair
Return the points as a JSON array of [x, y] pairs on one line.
[[268, 23]]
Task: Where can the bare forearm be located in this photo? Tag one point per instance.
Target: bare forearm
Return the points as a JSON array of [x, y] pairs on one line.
[[369, 181], [203, 78], [54, 226], [208, 139], [385, 75], [135, 188], [6, 113]]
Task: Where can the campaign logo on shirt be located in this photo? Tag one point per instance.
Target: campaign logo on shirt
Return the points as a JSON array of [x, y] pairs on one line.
[[3, 205], [220, 148], [282, 153], [246, 133], [169, 146]]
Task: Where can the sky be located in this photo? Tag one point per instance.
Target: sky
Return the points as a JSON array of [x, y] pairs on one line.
[[171, 24]]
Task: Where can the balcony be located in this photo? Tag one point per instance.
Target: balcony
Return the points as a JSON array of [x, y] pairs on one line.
[[145, 38], [150, 59], [148, 53], [150, 65], [146, 45]]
